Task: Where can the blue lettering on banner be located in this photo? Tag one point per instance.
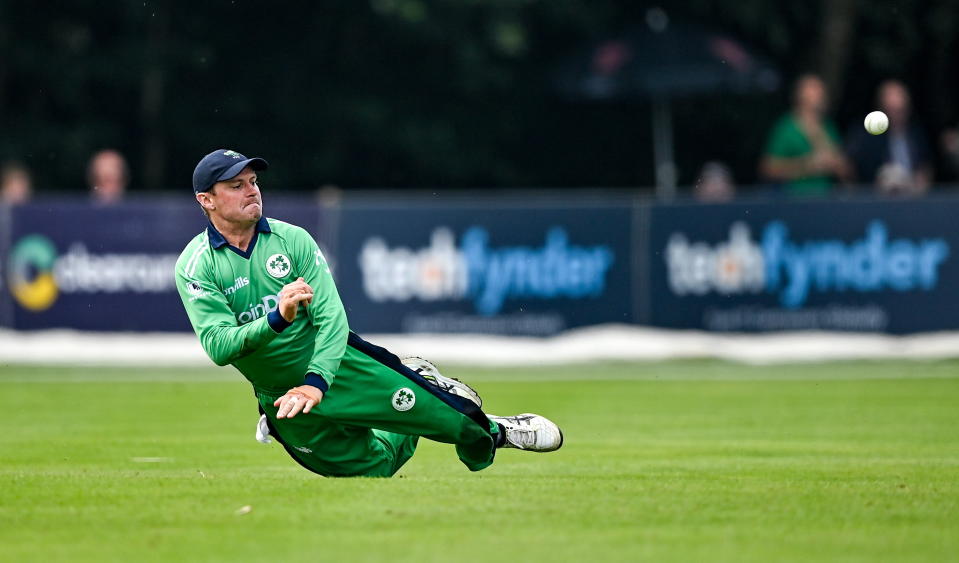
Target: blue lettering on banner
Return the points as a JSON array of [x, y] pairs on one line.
[[792, 270], [484, 274]]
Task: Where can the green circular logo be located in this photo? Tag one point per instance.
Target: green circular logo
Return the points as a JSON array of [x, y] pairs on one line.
[[30, 272], [404, 399]]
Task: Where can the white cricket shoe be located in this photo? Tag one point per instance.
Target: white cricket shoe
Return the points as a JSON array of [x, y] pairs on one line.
[[451, 385], [530, 432]]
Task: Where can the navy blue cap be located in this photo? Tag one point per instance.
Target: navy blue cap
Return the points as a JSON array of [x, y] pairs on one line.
[[222, 164]]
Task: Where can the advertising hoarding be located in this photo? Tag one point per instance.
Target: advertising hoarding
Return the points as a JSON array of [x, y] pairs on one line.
[[876, 266], [80, 266], [464, 267]]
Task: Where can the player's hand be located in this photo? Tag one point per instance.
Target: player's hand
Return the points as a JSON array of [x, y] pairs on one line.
[[296, 400], [292, 295]]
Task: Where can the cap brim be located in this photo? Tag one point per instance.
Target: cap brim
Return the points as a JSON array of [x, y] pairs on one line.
[[254, 163]]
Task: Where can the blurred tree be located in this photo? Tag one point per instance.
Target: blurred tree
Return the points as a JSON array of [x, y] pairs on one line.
[[838, 17], [415, 93], [153, 98]]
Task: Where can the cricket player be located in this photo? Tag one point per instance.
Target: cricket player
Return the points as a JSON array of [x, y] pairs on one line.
[[261, 297]]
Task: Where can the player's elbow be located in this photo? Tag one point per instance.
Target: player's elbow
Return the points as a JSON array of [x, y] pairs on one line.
[[219, 359], [220, 355]]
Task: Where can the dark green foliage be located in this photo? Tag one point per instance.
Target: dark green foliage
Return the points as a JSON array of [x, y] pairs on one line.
[[410, 93]]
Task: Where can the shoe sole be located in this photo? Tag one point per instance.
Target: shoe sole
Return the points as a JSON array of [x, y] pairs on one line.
[[425, 364], [475, 399]]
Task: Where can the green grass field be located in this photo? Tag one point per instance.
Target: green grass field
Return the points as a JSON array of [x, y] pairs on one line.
[[676, 461]]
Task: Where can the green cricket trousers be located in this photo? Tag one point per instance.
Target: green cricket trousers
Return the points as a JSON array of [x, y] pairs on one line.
[[368, 423]]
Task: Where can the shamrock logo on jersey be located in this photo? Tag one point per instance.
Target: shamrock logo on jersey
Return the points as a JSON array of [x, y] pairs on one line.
[[404, 399], [278, 265]]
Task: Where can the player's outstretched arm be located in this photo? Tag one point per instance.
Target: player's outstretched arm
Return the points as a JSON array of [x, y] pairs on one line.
[[223, 339]]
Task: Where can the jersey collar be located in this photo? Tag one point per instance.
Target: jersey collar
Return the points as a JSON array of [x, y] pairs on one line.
[[217, 240]]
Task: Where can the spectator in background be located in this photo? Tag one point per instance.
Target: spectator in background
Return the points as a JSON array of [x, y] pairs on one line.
[[715, 183], [16, 187], [107, 176], [899, 161], [803, 150], [950, 148]]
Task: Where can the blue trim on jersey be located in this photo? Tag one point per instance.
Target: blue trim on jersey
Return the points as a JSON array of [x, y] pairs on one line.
[[217, 240], [276, 321], [390, 360], [316, 380]]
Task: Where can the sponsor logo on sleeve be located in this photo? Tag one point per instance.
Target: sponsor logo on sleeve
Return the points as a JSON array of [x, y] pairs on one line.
[[195, 290], [321, 260]]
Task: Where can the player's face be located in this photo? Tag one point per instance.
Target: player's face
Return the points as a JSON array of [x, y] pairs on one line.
[[237, 200]]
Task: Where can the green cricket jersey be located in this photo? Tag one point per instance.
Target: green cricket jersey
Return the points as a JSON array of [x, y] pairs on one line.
[[787, 140], [231, 299]]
